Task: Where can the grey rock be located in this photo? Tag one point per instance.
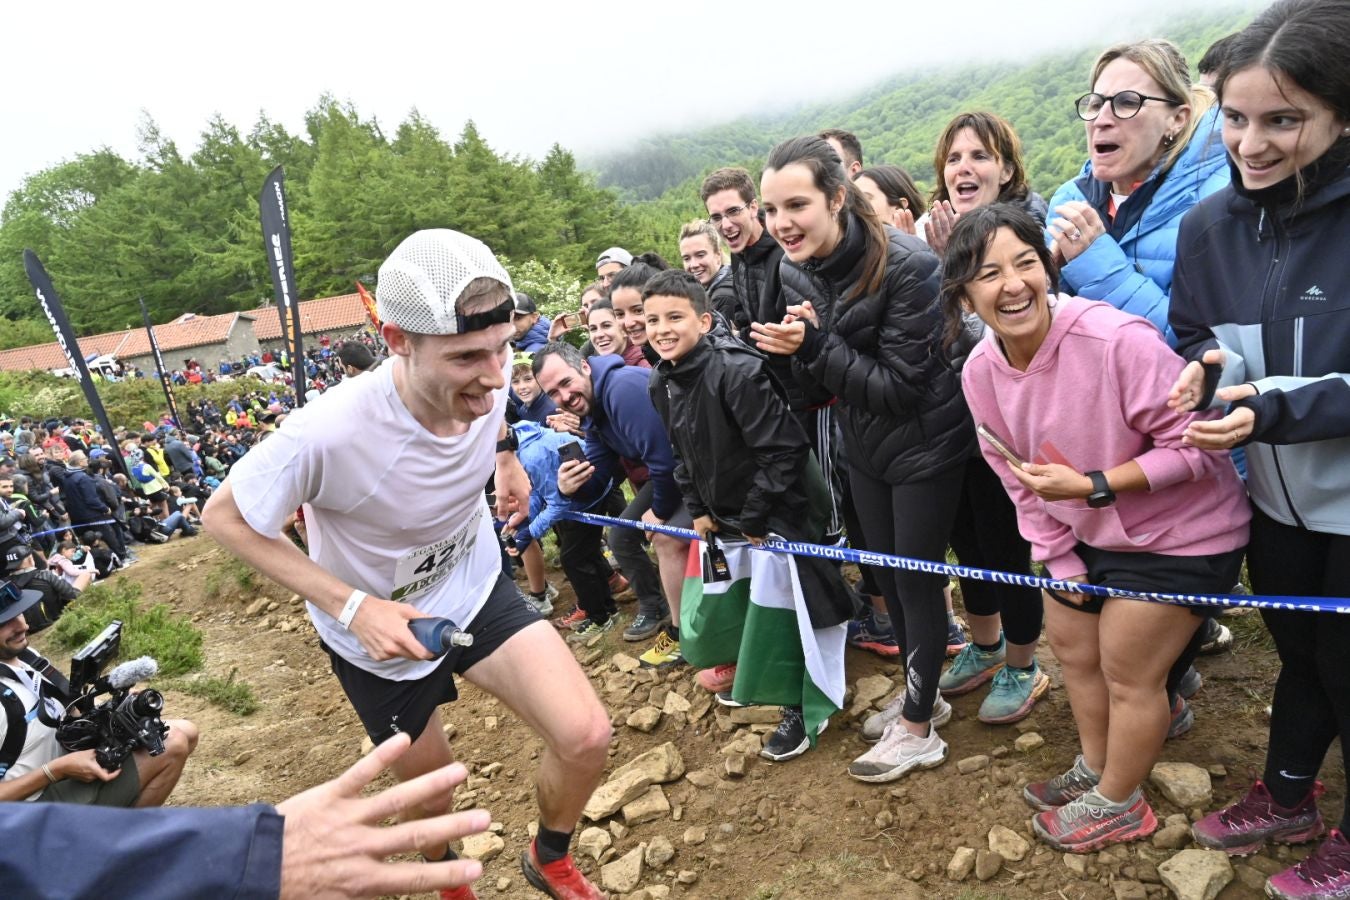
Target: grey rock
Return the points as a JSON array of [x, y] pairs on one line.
[[972, 764], [1197, 874], [962, 864], [624, 873], [660, 851], [594, 842], [987, 864], [644, 719], [651, 805], [1007, 843], [1185, 784]]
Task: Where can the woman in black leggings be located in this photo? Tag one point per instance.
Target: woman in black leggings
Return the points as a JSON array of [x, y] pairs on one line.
[[1259, 307], [863, 322]]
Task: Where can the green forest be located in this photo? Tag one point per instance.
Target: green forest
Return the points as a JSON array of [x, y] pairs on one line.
[[181, 229]]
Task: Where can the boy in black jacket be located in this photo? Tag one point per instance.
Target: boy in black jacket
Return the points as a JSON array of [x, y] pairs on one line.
[[743, 463]]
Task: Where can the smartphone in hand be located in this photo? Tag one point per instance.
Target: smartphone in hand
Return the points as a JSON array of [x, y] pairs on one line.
[[572, 452], [571, 320], [999, 444]]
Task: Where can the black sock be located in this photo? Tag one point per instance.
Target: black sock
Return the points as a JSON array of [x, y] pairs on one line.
[[551, 846], [673, 631], [1285, 791], [988, 648], [1028, 669]]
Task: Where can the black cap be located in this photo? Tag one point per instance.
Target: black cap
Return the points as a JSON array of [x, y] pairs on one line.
[[15, 554], [14, 601], [524, 304]]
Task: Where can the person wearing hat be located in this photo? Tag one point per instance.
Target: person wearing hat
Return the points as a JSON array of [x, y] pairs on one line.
[[611, 263], [531, 328], [399, 530], [33, 766]]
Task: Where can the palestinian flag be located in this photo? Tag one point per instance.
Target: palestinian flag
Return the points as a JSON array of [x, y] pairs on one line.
[[758, 620]]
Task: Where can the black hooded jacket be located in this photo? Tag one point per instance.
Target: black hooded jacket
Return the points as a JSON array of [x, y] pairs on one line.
[[741, 457], [902, 413]]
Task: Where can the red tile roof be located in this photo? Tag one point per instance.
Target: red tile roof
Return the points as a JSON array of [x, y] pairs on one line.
[[49, 356], [316, 316], [188, 330]]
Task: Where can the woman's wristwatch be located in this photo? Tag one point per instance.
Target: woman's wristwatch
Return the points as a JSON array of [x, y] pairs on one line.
[[1102, 495]]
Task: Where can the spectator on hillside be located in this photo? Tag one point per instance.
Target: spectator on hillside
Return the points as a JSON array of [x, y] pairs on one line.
[[54, 593], [624, 424], [893, 195], [610, 263], [530, 328], [701, 251], [181, 458], [848, 147], [74, 564]]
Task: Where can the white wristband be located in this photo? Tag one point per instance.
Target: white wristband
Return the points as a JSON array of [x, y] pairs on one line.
[[353, 604]]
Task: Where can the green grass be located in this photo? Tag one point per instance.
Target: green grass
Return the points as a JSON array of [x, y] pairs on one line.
[[845, 867], [231, 574], [235, 696], [156, 631]]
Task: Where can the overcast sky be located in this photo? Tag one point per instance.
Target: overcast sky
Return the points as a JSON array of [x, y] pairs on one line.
[[590, 74]]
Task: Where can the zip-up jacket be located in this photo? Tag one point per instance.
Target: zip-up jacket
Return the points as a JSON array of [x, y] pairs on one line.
[[742, 458], [1130, 266], [723, 297], [624, 423], [1271, 289], [901, 411], [739, 454]]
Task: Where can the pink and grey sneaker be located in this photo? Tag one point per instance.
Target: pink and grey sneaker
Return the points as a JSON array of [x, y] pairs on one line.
[[718, 678], [1244, 827], [1323, 875], [1089, 823]]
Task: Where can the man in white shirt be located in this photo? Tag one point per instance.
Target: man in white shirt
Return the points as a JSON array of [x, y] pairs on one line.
[[391, 471]]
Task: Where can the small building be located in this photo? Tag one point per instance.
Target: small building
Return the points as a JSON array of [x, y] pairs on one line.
[[338, 317]]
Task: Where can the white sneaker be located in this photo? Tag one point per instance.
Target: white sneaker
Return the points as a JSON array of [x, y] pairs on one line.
[[875, 724], [541, 605], [898, 752]]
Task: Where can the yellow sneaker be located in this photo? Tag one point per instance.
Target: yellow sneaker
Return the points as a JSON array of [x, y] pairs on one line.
[[663, 654]]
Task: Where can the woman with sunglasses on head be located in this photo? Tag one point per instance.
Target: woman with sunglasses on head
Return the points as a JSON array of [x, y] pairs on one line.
[[863, 323], [978, 161], [1152, 155], [1261, 310]]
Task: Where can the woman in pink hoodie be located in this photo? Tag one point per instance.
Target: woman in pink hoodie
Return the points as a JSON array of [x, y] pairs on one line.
[[1106, 492]]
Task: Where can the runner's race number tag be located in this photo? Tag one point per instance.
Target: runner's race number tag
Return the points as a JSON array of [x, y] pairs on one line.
[[423, 568]]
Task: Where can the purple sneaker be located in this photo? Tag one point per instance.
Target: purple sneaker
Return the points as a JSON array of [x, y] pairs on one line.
[[1244, 827], [1323, 875]]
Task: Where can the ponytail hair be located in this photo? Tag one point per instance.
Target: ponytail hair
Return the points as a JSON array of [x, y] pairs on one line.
[[827, 172]]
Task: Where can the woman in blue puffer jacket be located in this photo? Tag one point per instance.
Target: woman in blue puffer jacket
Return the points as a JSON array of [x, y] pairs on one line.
[[1153, 153]]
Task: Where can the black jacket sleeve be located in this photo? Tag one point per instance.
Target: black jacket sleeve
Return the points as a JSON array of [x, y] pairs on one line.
[[779, 448]]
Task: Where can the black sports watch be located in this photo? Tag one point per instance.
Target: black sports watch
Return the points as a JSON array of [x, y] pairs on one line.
[[1101, 495], [510, 443]]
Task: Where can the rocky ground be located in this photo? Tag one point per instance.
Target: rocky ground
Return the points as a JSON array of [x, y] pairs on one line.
[[689, 809]]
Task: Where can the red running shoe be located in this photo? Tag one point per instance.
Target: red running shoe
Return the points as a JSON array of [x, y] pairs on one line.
[[1086, 824], [561, 880], [617, 584], [718, 678], [571, 620], [1244, 827], [459, 893]]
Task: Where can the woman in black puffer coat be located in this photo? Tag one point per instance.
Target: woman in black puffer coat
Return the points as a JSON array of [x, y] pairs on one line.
[[864, 323]]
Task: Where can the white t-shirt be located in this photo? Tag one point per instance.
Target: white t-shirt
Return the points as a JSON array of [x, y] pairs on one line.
[[39, 744], [389, 507]]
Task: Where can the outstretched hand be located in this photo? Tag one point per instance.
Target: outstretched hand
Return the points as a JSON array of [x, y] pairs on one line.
[[1186, 394], [1228, 432], [333, 847]]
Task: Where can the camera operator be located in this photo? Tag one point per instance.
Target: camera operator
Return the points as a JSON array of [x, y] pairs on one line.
[[33, 766]]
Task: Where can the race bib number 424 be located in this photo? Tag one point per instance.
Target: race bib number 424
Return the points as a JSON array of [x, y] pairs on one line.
[[419, 570]]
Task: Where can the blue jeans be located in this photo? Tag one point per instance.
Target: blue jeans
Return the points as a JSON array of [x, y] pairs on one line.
[[176, 522]]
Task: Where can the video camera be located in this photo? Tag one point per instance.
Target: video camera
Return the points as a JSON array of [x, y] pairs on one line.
[[123, 723]]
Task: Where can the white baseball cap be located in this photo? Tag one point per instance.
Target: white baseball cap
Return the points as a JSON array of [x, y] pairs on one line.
[[421, 281]]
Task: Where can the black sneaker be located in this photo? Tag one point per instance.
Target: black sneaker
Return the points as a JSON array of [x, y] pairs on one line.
[[725, 699], [1217, 638], [790, 740]]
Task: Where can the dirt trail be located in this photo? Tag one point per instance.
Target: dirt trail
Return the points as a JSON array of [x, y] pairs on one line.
[[796, 830]]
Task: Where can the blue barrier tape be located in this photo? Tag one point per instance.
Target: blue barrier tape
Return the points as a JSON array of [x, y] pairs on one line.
[[38, 534], [868, 558]]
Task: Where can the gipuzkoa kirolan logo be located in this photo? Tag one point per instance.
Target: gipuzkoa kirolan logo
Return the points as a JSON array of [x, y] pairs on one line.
[[60, 333]]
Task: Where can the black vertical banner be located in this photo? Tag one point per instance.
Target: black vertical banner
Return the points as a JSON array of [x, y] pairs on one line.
[[276, 231], [65, 337], [164, 379]]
